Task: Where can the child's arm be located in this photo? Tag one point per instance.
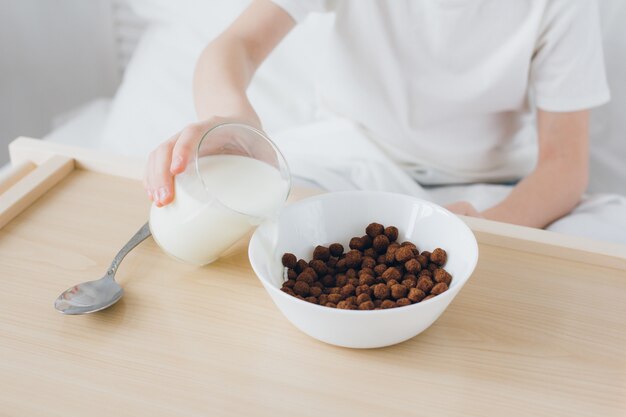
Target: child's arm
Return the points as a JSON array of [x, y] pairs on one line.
[[556, 185], [223, 72]]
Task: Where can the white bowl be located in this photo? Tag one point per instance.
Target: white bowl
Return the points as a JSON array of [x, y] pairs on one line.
[[336, 217]]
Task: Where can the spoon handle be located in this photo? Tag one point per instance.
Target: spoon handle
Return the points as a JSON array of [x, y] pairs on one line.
[[139, 237]]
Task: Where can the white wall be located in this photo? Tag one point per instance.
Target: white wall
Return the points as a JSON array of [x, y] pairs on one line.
[[54, 55]]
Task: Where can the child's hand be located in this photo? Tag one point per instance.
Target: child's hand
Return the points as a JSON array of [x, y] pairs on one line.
[[171, 158], [464, 208], [167, 160]]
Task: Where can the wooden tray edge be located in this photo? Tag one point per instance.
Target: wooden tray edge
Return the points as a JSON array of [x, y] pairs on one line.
[[33, 185], [544, 242], [37, 151]]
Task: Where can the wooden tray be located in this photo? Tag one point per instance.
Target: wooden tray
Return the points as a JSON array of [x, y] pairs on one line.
[[540, 329]]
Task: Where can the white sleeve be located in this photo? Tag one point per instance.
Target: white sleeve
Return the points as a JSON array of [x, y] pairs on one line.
[[299, 9], [567, 70]]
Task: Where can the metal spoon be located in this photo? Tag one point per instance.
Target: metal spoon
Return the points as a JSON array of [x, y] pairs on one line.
[[97, 295]]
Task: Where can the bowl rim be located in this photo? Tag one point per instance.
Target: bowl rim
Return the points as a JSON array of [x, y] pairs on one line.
[[447, 294]]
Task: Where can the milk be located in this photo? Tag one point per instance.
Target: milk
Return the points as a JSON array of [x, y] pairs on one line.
[[201, 223]]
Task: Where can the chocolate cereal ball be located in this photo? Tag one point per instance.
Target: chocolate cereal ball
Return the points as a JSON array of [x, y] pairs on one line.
[[353, 259], [423, 260], [388, 304], [374, 229], [439, 288], [336, 249], [319, 267], [288, 291], [367, 242], [308, 275], [315, 291], [439, 256], [321, 252], [365, 271], [341, 266], [398, 291], [363, 298], [392, 233], [391, 273], [416, 295], [425, 272], [301, 265], [351, 299], [380, 269], [390, 256], [410, 245], [403, 302], [356, 243], [363, 289], [381, 291], [341, 280], [328, 280], [367, 305], [368, 262], [409, 282], [413, 266], [409, 275], [289, 260], [370, 252], [380, 243], [391, 283], [425, 284], [301, 288], [347, 290], [334, 298], [403, 254], [366, 279], [344, 305], [441, 275]]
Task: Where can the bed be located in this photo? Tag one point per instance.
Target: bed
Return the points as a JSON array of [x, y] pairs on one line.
[[154, 101]]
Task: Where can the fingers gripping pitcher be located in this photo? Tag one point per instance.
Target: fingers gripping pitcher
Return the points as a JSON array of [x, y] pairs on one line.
[[237, 179]]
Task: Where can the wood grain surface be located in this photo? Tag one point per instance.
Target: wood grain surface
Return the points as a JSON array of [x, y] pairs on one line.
[[13, 173], [33, 185], [529, 335]]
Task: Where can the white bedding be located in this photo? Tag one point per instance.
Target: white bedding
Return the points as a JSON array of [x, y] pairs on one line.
[[154, 101]]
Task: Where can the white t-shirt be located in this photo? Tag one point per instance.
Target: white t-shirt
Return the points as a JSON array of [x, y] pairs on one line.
[[447, 87]]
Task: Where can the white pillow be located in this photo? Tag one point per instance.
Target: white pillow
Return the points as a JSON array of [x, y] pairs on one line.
[[155, 101]]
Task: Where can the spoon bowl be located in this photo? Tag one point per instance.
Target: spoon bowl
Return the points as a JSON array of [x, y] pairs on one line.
[[92, 296], [89, 297]]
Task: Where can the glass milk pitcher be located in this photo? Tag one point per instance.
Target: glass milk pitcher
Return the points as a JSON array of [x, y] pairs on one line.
[[237, 179]]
